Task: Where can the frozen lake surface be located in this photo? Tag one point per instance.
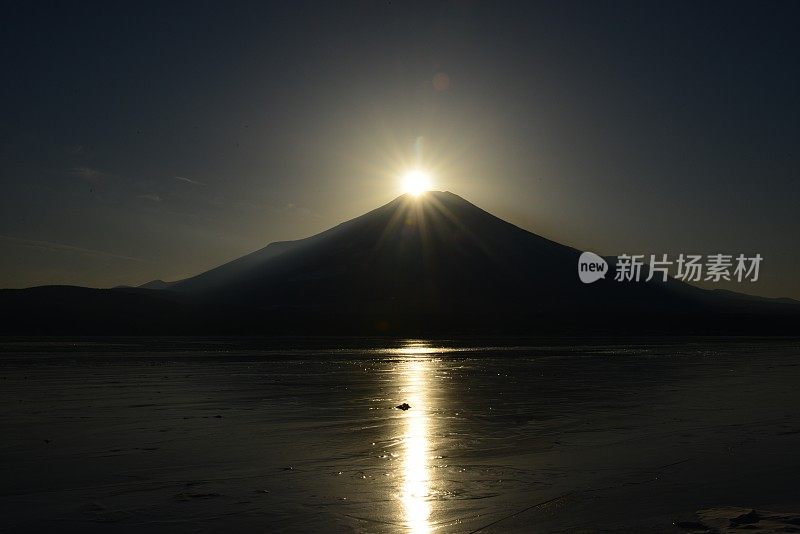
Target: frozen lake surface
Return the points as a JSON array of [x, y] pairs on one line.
[[215, 435]]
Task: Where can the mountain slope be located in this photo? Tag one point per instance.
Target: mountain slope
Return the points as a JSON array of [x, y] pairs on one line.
[[410, 250], [440, 260], [429, 265]]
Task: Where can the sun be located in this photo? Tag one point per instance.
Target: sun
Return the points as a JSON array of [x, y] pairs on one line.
[[416, 182]]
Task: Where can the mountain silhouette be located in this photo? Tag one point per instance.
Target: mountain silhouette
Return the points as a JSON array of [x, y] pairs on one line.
[[434, 264], [156, 284], [427, 252]]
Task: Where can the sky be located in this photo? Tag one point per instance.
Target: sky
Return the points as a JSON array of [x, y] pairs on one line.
[[144, 141]]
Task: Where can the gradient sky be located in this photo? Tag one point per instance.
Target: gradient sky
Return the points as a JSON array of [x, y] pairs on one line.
[[142, 141]]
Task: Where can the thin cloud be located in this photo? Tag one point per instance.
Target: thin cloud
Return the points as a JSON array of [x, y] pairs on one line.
[[300, 210], [188, 180], [151, 196], [93, 176], [60, 247]]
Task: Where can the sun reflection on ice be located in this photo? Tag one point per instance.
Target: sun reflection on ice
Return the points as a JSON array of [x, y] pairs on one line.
[[415, 372]]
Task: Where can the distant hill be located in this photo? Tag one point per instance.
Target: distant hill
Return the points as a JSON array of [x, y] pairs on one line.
[[435, 264], [156, 284]]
